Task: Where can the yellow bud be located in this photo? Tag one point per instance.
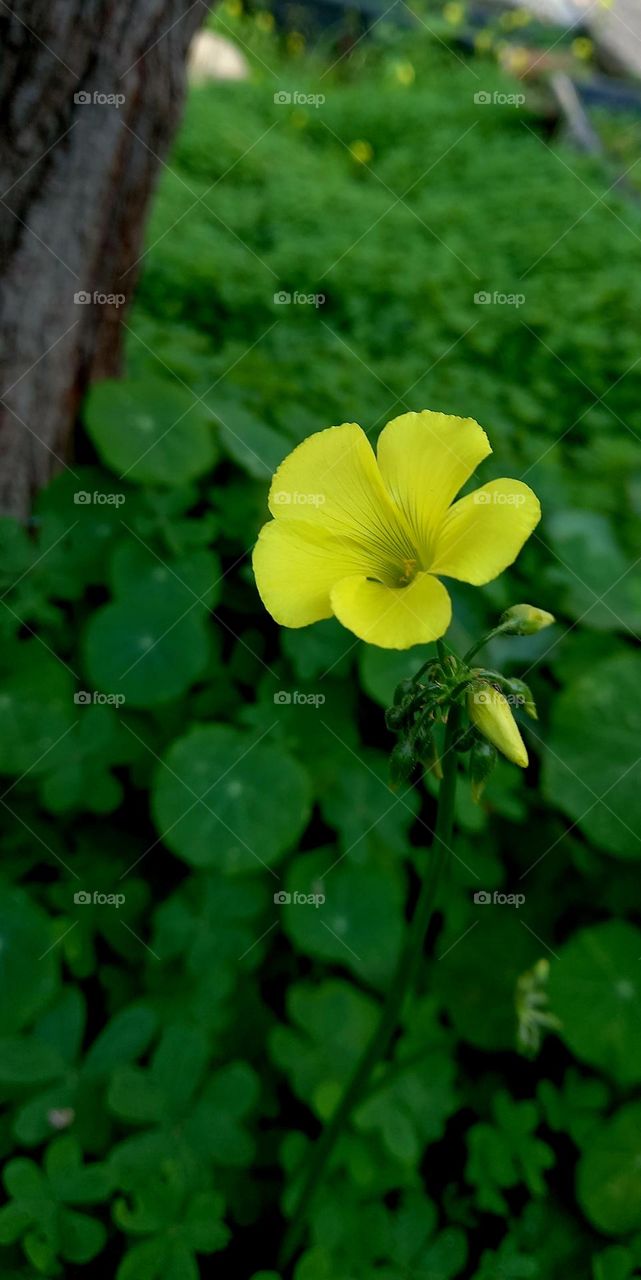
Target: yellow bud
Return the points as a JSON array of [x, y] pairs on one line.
[[404, 72], [525, 620], [454, 13], [361, 151], [582, 48], [265, 20], [490, 712]]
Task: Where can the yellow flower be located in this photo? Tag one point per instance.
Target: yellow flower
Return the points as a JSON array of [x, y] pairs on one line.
[[404, 72], [361, 151], [366, 537], [491, 714]]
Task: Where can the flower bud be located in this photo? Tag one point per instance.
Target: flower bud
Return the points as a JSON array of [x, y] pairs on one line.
[[395, 718], [402, 763], [525, 620], [490, 712]]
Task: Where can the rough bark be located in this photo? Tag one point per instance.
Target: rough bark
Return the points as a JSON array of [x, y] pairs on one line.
[[76, 175]]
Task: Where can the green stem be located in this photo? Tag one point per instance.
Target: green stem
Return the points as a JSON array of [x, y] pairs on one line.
[[496, 631], [401, 984]]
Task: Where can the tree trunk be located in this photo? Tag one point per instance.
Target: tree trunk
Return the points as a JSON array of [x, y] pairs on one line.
[[90, 94]]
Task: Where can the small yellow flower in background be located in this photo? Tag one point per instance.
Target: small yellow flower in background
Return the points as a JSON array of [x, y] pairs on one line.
[[483, 41], [454, 14], [265, 20], [295, 42], [582, 48], [491, 714], [404, 72], [515, 18], [361, 151], [233, 7], [366, 537]]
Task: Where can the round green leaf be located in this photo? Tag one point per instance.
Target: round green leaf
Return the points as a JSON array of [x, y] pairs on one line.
[[609, 1174], [221, 801], [144, 651], [36, 709], [478, 972], [595, 988], [592, 769], [150, 430], [340, 913]]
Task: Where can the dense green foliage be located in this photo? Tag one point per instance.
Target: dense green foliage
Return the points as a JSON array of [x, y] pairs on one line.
[[169, 1052]]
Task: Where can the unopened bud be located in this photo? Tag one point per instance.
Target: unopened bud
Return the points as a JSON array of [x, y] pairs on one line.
[[402, 763], [490, 712], [525, 620]]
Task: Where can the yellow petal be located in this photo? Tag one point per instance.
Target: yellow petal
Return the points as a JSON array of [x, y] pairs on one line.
[[331, 482], [295, 566], [393, 617], [483, 533], [491, 714], [425, 458]]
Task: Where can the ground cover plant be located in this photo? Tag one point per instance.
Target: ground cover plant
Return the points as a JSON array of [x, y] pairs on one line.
[[176, 1024]]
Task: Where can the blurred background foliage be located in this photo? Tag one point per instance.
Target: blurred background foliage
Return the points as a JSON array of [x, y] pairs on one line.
[[166, 1061]]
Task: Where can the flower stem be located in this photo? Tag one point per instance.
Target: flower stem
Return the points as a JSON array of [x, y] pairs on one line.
[[401, 985]]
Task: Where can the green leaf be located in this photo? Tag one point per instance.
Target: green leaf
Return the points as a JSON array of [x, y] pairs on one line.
[[609, 1174], [123, 1039], [221, 801], [29, 965], [339, 912], [595, 988], [592, 769], [253, 445], [36, 709], [152, 431], [477, 973], [27, 1061]]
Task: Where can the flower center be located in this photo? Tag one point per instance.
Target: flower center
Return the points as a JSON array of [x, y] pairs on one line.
[[408, 572]]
